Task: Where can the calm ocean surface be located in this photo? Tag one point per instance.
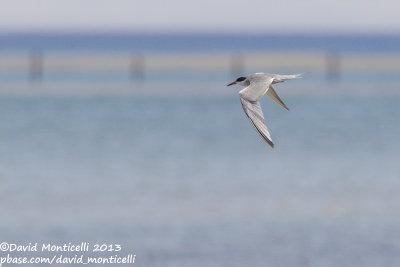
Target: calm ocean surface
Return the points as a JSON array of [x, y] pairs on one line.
[[186, 181]]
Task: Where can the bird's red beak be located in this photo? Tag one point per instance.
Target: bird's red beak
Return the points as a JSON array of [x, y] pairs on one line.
[[232, 83]]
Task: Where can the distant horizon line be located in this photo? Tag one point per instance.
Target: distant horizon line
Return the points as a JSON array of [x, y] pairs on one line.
[[195, 33], [211, 41]]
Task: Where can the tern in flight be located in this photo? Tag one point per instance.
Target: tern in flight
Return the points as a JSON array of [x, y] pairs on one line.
[[257, 85]]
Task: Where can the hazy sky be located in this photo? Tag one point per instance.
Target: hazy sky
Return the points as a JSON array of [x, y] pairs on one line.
[[202, 15]]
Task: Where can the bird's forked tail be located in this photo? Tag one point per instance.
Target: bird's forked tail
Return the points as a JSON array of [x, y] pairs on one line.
[[281, 78]]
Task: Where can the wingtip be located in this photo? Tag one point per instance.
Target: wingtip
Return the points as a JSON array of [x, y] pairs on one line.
[[269, 142], [272, 145]]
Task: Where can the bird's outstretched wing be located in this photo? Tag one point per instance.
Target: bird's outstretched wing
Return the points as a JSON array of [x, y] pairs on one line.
[[274, 96], [254, 113]]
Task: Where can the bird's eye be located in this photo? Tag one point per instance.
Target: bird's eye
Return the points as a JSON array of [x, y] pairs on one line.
[[240, 79]]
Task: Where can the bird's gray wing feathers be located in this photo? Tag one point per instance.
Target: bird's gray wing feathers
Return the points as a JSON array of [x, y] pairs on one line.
[[256, 117], [274, 96]]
